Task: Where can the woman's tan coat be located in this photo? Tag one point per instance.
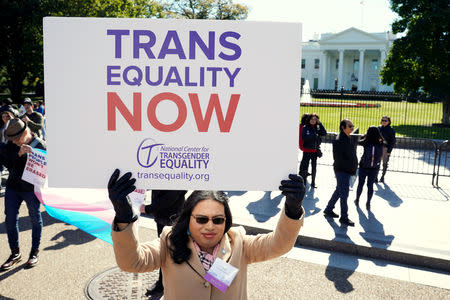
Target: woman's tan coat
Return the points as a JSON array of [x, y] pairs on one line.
[[180, 281]]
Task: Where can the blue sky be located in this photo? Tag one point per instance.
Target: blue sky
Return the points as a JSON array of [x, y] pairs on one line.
[[320, 16]]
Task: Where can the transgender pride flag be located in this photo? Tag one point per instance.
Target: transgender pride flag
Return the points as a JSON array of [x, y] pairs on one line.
[[88, 209]]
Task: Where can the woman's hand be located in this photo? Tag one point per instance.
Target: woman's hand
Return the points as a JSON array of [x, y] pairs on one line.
[[294, 190], [118, 190]]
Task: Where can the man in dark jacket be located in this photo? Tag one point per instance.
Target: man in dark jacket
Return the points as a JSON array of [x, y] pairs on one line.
[[34, 120], [388, 134], [14, 156], [164, 207], [345, 165]]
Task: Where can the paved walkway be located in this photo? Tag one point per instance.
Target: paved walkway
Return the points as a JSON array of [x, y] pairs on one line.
[[408, 222]]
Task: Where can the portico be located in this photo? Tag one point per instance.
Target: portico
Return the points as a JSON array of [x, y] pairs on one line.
[[352, 59]]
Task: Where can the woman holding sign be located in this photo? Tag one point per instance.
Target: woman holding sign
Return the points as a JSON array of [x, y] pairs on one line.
[[201, 256]]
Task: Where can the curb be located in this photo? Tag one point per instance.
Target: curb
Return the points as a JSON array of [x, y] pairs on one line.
[[435, 264]]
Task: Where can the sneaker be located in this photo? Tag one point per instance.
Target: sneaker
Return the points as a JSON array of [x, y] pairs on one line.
[[357, 202], [11, 261], [330, 214], [368, 205], [33, 260], [382, 179], [347, 222]]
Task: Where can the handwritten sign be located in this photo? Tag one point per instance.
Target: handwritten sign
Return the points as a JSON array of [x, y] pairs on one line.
[[35, 171]]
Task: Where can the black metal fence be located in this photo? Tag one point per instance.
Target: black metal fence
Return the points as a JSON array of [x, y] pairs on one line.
[[417, 117], [410, 155]]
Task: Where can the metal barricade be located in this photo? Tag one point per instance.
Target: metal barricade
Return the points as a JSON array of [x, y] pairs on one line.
[[410, 155], [441, 162]]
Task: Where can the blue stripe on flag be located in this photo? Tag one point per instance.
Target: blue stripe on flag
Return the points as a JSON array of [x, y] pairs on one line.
[[90, 224]]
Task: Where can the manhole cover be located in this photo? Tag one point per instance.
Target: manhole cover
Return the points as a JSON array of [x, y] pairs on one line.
[[116, 284]]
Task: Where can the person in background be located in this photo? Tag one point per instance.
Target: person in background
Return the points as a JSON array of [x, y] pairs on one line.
[[201, 236], [388, 134], [8, 113], [34, 120], [311, 133], [165, 206], [41, 109], [369, 165], [345, 165], [7, 102], [14, 156]]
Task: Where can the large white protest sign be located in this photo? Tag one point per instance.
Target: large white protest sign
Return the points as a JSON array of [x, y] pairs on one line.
[[182, 104]]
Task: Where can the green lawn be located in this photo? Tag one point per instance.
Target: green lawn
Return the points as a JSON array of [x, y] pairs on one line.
[[408, 119]]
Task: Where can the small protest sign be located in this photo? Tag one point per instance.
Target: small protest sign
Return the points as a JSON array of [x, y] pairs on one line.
[[35, 171]]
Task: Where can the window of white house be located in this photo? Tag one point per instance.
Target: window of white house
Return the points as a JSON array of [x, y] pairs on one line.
[[374, 64], [337, 63], [316, 63], [303, 63], [316, 83], [302, 82]]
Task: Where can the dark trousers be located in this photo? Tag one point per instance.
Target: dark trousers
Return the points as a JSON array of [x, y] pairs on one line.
[[13, 200], [309, 156], [341, 192], [371, 175]]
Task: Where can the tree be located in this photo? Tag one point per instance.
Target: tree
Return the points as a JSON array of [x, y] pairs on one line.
[[21, 51], [206, 9], [420, 60]]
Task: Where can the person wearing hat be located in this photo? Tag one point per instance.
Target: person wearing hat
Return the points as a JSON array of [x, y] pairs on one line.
[[33, 119], [14, 156]]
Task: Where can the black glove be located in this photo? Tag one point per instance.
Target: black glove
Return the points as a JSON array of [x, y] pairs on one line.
[[294, 190], [118, 191]]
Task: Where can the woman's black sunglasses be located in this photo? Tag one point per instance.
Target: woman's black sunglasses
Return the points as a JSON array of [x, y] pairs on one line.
[[204, 219]]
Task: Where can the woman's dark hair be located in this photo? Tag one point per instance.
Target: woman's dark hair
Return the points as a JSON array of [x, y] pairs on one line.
[[178, 238], [373, 136], [310, 116], [305, 119]]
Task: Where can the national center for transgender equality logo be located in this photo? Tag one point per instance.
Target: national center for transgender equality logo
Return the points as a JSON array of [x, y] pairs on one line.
[[184, 157]]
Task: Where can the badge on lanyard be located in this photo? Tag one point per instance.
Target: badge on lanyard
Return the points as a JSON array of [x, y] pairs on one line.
[[221, 274]]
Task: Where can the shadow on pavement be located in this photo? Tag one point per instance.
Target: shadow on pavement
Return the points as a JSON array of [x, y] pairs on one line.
[[374, 233], [10, 272], [265, 208], [309, 203], [385, 192], [5, 298], [25, 222], [70, 237], [335, 274], [235, 193]]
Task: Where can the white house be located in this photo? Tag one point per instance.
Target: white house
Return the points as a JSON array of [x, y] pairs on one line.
[[351, 58]]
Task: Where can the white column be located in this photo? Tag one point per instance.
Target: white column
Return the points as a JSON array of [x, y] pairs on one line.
[[323, 69], [361, 70], [382, 59], [340, 69]]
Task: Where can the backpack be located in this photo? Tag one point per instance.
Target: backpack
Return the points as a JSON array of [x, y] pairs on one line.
[[371, 157]]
